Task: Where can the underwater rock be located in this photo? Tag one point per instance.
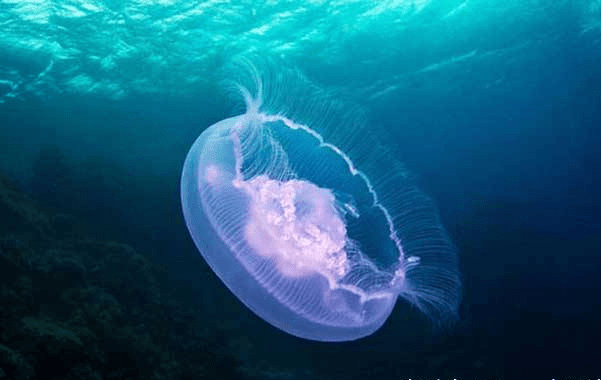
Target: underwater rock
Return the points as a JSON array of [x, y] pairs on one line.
[[56, 339], [58, 260], [54, 348], [18, 214], [83, 373], [14, 365], [117, 267]]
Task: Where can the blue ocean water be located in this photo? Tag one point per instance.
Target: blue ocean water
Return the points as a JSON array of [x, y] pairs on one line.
[[494, 107]]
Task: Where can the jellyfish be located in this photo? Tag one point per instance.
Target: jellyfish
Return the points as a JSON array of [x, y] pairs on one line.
[[312, 223]]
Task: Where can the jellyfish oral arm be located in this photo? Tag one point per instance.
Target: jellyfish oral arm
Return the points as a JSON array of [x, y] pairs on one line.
[[296, 224]]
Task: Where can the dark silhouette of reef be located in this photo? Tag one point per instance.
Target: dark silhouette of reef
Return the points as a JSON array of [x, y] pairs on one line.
[[77, 308]]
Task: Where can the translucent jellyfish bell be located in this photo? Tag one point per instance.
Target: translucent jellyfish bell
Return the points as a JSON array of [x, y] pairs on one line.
[[313, 225]]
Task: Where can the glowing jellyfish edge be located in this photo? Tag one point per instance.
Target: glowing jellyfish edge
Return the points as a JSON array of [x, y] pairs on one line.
[[290, 270]]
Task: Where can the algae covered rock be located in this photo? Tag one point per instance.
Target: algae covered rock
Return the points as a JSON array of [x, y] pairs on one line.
[[14, 366], [73, 306], [18, 214], [54, 338]]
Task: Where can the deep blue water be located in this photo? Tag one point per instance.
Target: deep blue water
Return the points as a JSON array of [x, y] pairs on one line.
[[498, 116]]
